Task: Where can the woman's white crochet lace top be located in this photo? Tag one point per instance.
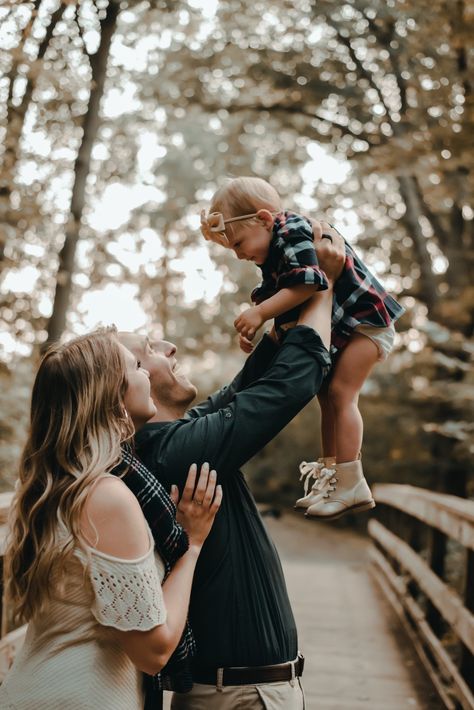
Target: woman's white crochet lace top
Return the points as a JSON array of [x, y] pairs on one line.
[[128, 594], [71, 658]]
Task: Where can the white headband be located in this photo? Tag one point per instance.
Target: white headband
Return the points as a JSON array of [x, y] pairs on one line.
[[213, 226]]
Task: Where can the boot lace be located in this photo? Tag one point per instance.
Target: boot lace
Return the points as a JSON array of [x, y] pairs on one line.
[[308, 471], [328, 480]]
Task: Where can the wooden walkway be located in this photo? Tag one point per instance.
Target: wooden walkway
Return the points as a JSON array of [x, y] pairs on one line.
[[357, 654]]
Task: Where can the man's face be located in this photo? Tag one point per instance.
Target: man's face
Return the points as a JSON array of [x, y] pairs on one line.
[[168, 386]]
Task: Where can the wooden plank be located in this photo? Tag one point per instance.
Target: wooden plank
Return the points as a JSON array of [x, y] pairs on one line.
[[445, 599], [357, 654], [9, 647], [3, 539], [5, 504], [467, 657], [436, 561], [452, 515], [462, 507], [443, 669], [393, 588]]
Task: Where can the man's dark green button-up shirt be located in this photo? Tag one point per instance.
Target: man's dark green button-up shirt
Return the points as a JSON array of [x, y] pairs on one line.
[[240, 612]]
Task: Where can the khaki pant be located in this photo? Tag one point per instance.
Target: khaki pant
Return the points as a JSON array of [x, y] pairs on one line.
[[286, 695]]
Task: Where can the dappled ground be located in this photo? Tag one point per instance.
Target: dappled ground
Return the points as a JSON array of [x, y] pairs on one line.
[[357, 654]]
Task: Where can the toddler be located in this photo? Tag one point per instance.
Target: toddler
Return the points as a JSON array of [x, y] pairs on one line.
[[247, 216]]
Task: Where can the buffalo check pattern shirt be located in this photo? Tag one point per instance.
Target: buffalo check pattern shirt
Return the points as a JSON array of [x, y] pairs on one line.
[[359, 298]]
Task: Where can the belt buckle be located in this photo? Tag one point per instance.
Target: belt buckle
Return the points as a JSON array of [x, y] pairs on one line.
[[220, 680], [300, 659]]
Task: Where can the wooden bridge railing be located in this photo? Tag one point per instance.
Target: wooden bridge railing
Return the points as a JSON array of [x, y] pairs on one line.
[[423, 558], [10, 641]]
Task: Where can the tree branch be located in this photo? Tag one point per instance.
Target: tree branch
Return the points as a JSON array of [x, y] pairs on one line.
[[362, 71]]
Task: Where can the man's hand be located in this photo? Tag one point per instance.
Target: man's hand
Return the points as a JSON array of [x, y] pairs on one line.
[[331, 252], [249, 322]]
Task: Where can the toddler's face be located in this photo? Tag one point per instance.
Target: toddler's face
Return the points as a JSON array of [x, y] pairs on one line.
[[251, 242]]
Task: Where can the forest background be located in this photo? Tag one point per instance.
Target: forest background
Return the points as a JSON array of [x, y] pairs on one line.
[[117, 120]]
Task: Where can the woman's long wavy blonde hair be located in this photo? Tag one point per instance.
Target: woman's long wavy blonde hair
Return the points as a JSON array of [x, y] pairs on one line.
[[78, 421]]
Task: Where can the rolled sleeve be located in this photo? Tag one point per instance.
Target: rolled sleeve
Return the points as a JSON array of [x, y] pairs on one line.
[[299, 262], [307, 275]]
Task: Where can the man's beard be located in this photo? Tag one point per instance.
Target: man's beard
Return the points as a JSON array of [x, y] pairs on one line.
[[177, 397]]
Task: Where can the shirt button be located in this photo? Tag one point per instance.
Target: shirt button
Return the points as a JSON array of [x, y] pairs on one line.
[[227, 413]]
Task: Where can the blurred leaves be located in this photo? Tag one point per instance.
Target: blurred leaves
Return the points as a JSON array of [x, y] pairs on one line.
[[384, 89]]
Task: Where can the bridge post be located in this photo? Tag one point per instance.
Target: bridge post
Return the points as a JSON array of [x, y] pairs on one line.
[[437, 553], [2, 596], [467, 658]]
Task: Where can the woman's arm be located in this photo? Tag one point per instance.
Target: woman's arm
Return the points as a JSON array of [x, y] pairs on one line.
[[114, 524]]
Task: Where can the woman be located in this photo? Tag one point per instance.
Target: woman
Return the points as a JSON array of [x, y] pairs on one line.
[[81, 564]]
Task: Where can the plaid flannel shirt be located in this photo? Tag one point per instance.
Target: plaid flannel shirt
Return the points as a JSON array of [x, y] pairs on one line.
[[359, 298], [171, 541]]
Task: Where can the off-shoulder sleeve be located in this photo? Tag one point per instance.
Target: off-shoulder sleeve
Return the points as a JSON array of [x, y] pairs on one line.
[[127, 593], [298, 263]]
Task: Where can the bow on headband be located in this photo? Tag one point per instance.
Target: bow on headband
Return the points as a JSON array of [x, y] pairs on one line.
[[213, 226]]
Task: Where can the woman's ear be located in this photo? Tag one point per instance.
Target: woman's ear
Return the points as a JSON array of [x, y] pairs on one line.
[[266, 217]]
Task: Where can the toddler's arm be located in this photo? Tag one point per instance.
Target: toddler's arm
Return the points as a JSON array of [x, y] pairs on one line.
[[253, 318]]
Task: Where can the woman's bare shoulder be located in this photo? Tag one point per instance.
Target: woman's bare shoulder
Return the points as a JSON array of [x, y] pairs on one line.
[[112, 520]]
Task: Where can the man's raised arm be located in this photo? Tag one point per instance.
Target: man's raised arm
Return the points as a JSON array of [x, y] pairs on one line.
[[229, 437], [254, 366]]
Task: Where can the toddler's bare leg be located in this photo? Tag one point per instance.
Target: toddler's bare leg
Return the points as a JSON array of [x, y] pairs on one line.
[[328, 423], [350, 372]]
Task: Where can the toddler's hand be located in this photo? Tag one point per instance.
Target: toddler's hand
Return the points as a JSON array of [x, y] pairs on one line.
[[249, 322], [245, 344]]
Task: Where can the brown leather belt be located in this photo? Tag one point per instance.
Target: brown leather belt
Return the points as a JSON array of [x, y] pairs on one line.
[[250, 675]]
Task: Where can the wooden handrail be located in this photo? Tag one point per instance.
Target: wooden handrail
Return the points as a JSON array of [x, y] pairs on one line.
[[446, 600], [5, 505], [421, 634], [416, 588], [453, 516], [12, 641]]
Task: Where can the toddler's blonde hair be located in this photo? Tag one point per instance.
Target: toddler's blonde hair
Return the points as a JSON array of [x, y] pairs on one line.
[[244, 195]]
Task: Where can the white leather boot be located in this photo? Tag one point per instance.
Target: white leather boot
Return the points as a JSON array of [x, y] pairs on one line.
[[347, 492], [311, 471]]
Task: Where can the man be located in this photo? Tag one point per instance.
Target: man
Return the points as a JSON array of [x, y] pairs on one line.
[[239, 612]]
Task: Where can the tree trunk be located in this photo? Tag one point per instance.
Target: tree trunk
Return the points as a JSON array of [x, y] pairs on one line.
[[408, 192], [67, 254], [163, 308], [15, 121]]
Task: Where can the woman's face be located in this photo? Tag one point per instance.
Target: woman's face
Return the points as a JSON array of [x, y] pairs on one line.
[[137, 400]]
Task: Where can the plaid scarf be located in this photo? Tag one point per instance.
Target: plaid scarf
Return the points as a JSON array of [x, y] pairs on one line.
[[171, 541]]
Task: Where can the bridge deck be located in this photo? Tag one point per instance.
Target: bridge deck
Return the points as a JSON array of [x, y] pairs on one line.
[[357, 654]]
